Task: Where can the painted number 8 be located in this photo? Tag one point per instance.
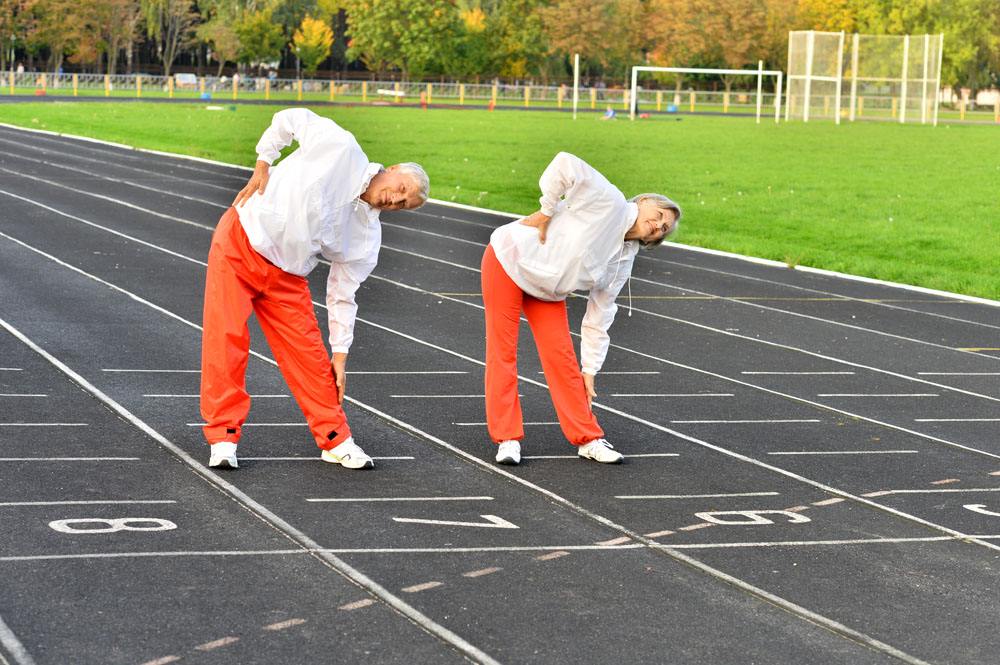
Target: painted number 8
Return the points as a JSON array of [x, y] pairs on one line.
[[113, 525]]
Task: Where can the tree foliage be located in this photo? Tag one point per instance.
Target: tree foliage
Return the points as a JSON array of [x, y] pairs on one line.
[[311, 43]]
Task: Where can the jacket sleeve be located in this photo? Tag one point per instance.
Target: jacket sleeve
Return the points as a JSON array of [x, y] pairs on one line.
[[341, 285], [289, 125], [601, 309], [563, 174]]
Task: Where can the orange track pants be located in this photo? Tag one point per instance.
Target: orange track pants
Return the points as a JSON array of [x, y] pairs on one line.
[[241, 281], [504, 300]]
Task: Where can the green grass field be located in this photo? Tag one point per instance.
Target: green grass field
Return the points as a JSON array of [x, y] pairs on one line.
[[910, 204]]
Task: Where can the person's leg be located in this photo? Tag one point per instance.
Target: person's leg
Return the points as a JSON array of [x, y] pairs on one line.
[[550, 327], [285, 312], [231, 283], [502, 301]]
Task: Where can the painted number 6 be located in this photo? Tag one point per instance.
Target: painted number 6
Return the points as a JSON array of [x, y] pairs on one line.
[[113, 525]]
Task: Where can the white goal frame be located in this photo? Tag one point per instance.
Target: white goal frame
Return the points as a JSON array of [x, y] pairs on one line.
[[760, 73]]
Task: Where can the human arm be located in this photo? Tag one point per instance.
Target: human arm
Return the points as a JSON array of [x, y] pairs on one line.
[[601, 310], [341, 286]]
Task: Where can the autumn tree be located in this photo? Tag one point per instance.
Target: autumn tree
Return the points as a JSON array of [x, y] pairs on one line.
[[516, 35], [311, 43], [408, 35], [261, 40], [171, 24]]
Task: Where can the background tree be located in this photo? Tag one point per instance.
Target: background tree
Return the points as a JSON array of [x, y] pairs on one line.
[[311, 43], [408, 35], [170, 23], [218, 30], [55, 27], [261, 40], [516, 36]]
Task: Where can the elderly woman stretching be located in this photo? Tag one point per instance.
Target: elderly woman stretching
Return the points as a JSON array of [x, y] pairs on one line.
[[585, 237]]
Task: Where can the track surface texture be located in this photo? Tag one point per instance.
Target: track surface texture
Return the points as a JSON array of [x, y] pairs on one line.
[[812, 474]]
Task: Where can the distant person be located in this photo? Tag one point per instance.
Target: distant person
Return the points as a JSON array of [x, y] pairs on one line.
[[323, 200], [20, 68], [608, 114], [584, 238]]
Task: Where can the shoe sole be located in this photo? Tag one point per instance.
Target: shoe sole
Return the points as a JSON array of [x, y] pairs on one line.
[[225, 463], [509, 461], [367, 465], [617, 461]]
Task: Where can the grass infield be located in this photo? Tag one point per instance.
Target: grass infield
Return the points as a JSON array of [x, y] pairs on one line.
[[911, 204]]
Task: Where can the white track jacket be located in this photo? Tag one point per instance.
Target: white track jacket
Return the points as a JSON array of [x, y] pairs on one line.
[[310, 208], [584, 248]]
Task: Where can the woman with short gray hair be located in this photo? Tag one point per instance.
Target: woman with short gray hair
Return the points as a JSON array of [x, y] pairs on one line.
[[585, 237]]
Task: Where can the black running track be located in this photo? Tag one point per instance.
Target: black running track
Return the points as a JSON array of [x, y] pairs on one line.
[[813, 470]]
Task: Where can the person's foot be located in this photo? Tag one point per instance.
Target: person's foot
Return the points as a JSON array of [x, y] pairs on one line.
[[348, 455], [601, 451], [509, 452], [223, 455]]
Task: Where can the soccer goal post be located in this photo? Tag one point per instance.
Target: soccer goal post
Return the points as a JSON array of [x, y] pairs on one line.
[[758, 74]]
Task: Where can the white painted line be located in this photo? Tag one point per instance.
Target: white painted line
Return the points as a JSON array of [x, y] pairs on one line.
[[282, 625], [995, 473], [357, 605], [799, 373], [603, 373], [740, 422], [257, 424], [659, 534], [554, 422], [11, 369], [845, 452], [69, 459], [419, 372], [162, 661], [812, 543], [316, 459], [439, 396], [403, 498], [946, 481], [44, 424], [956, 420], [22, 395], [672, 394], [630, 456], [877, 395], [492, 522], [198, 396], [796, 509], [695, 527], [934, 491], [216, 644], [156, 371], [614, 541], [296, 535], [13, 646], [828, 502], [959, 373], [551, 555], [481, 572], [445, 633], [417, 588], [80, 503], [693, 496]]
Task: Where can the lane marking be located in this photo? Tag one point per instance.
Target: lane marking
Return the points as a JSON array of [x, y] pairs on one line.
[[828, 502], [257, 424], [981, 509], [492, 522], [976, 349], [439, 396], [959, 373], [603, 373], [630, 456], [282, 625], [672, 395], [799, 373], [403, 498], [13, 645], [357, 605], [551, 555], [614, 541], [162, 661], [812, 543], [995, 473], [69, 459], [796, 509], [44, 424], [761, 593], [417, 588], [658, 534], [198, 396], [946, 481], [216, 644], [82, 503], [481, 572], [316, 459], [956, 420], [693, 496], [554, 422], [877, 395], [844, 452], [156, 371], [416, 372], [22, 395], [695, 527], [11, 369], [307, 543], [934, 491], [740, 422]]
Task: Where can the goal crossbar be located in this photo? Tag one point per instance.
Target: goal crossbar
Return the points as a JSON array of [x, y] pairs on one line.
[[760, 73]]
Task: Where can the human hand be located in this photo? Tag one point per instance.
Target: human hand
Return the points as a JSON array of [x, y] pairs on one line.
[[257, 183], [540, 221], [588, 383], [339, 366]]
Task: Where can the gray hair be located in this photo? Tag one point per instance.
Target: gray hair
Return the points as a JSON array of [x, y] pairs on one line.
[[663, 203], [419, 176]]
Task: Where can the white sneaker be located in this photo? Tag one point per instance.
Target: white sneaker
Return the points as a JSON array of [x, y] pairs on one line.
[[348, 455], [509, 452], [223, 455], [600, 451]]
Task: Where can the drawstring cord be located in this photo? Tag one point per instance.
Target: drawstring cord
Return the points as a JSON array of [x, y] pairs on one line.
[[617, 268]]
